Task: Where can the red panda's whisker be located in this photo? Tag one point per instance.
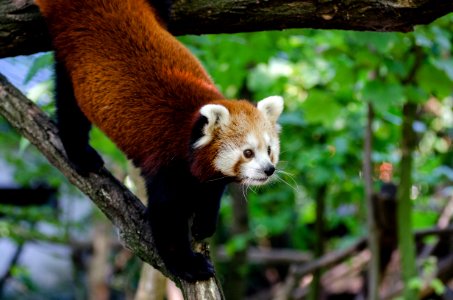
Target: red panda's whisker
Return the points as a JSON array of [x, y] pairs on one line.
[[215, 179], [294, 188]]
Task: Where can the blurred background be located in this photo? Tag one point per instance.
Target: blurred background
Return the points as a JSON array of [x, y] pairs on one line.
[[54, 244]]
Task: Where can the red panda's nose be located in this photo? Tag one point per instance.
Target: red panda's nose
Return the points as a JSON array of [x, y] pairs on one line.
[[269, 170]]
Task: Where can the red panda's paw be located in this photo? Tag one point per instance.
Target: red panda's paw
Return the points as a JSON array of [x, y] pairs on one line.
[[86, 161], [193, 268]]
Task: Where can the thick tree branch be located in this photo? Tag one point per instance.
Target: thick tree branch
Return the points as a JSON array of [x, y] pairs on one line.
[[115, 201], [22, 30]]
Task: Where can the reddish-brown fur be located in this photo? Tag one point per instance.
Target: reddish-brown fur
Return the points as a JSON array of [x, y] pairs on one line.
[[133, 79]]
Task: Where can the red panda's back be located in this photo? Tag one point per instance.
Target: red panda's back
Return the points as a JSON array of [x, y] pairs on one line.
[[131, 78]]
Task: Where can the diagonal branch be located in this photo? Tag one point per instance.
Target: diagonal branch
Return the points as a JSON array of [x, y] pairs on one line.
[[124, 209]]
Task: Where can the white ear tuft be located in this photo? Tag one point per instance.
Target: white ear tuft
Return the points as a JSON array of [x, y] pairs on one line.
[[218, 116], [271, 107]]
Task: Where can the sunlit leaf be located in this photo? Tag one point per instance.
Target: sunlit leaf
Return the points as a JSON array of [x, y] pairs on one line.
[[382, 94]]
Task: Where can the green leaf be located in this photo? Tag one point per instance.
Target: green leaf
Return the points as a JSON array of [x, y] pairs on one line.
[[41, 62], [438, 286], [237, 243], [434, 80], [416, 283], [382, 94], [445, 65], [376, 41], [24, 143], [321, 107], [415, 94]]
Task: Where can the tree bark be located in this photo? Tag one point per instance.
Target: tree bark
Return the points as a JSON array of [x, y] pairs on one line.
[[22, 30], [406, 243], [122, 208], [373, 235]]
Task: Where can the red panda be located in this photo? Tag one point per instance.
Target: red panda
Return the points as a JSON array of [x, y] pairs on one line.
[[119, 68]]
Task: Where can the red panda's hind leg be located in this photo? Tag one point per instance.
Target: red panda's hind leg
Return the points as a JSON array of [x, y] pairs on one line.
[[73, 126]]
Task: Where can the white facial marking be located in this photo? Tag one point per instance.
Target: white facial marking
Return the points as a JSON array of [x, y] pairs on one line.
[[252, 141], [258, 168], [226, 159]]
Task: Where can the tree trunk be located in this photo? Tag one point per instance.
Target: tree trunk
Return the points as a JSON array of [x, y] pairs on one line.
[[373, 237], [236, 273], [320, 199], [404, 206]]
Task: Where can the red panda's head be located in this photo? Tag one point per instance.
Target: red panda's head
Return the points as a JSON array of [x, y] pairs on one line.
[[238, 140]]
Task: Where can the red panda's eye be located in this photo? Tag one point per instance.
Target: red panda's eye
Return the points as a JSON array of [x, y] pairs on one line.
[[248, 153], [268, 150]]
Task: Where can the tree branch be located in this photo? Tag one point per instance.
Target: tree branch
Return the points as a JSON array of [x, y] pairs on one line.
[[115, 201], [22, 30]]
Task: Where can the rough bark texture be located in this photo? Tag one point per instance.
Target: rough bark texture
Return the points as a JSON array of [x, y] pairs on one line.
[[104, 190], [373, 234], [22, 30]]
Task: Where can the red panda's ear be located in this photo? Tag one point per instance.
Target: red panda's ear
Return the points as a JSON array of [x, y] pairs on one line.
[[271, 107], [217, 116]]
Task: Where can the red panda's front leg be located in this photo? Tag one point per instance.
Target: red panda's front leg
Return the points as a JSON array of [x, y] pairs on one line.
[[171, 201], [206, 210]]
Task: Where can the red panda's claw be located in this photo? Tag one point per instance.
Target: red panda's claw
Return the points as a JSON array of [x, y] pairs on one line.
[[86, 161], [194, 268]]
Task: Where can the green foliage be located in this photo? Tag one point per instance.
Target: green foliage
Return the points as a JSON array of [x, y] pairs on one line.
[[429, 270], [326, 77], [238, 243]]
